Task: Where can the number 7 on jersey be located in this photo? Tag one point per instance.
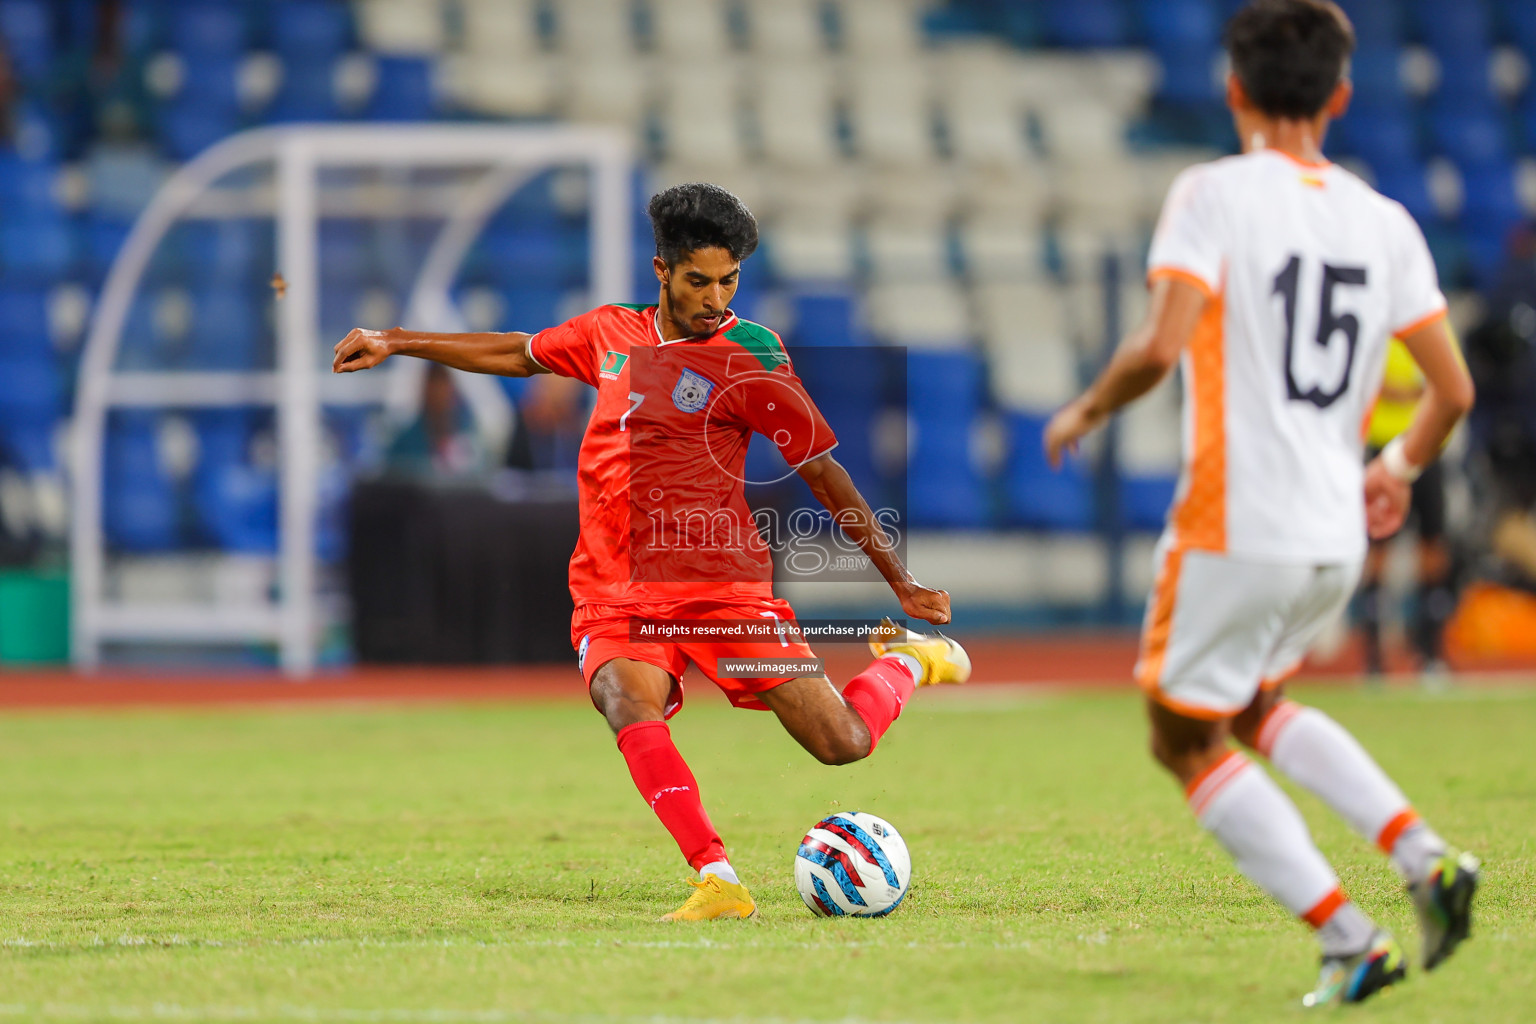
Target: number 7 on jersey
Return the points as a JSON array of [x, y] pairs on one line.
[[638, 399]]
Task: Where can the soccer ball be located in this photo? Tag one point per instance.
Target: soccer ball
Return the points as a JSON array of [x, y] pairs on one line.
[[852, 864]]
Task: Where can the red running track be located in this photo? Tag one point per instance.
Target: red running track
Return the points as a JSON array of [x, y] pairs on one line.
[[1079, 659]]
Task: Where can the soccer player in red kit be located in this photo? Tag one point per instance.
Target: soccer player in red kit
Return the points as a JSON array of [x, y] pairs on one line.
[[666, 533]]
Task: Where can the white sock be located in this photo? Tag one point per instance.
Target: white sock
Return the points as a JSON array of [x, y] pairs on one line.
[[720, 869], [913, 665], [1346, 932], [1319, 754], [1263, 831]]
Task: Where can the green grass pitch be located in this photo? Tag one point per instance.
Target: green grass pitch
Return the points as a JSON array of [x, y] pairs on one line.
[[493, 863]]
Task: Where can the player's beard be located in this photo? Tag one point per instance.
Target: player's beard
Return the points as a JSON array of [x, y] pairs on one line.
[[685, 327]]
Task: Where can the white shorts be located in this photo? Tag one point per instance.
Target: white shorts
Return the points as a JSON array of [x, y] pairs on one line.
[[1219, 628]]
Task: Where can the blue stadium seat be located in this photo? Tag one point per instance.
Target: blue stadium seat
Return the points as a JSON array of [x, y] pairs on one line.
[[142, 26], [943, 415], [24, 316], [28, 446], [1145, 500], [229, 251], [1377, 22], [27, 34], [1528, 120], [846, 385], [536, 203], [223, 435], [140, 507], [225, 329], [826, 319], [347, 252], [1486, 248], [1519, 17], [533, 257], [1087, 23], [27, 187], [213, 30], [1376, 73], [1180, 24], [35, 251], [1409, 185], [1384, 137], [307, 93], [1472, 136], [348, 428], [533, 309], [333, 491], [234, 501], [210, 83], [31, 395], [1466, 83], [237, 507], [1038, 496], [338, 307], [306, 31], [101, 236], [1453, 26], [1491, 210], [186, 129], [405, 90], [1187, 77]]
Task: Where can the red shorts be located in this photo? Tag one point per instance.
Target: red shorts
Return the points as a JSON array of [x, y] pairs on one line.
[[601, 633]]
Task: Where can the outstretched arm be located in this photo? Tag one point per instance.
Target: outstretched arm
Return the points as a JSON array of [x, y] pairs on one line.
[[1447, 398], [834, 488], [505, 355], [1142, 360]]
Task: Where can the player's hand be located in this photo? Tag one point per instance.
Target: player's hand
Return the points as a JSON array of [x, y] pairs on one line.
[[361, 349], [1386, 501], [1067, 428], [921, 603]]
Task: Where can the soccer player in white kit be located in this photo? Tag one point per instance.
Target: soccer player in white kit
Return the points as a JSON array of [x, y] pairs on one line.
[[1276, 280]]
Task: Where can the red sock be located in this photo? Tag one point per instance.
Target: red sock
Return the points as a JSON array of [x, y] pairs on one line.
[[878, 694], [664, 781]]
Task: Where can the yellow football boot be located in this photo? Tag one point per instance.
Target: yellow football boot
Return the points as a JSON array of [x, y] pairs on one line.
[[943, 660], [714, 898]]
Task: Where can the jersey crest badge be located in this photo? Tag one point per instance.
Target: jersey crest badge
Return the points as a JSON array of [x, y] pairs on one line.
[[692, 392]]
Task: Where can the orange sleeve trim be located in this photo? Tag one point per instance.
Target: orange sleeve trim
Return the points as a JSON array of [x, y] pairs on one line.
[[1178, 274], [1421, 322], [1155, 640], [1401, 822], [1319, 914]]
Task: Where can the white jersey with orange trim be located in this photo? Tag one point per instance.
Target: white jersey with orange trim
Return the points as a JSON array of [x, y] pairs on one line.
[[1309, 272]]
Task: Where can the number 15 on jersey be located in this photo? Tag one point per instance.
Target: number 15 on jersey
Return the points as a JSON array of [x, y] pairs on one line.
[[1318, 369]]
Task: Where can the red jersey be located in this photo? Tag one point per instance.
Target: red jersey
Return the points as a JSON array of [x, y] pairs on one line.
[[664, 515]]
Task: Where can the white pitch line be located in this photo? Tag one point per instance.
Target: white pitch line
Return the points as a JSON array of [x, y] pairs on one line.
[[182, 942], [348, 1015]]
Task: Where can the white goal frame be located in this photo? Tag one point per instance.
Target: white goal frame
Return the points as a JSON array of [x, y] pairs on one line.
[[297, 389]]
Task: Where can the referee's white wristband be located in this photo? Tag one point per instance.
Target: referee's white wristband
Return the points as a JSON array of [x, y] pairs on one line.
[[1395, 461]]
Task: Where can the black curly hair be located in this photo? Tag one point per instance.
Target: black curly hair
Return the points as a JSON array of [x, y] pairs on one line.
[[1290, 54], [701, 216]]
